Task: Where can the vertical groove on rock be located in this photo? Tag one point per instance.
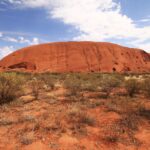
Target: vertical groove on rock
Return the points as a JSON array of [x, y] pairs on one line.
[[57, 58], [98, 56], [66, 58], [86, 59], [112, 52], [50, 62]]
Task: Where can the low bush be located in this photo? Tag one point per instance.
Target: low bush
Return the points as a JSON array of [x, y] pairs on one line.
[[108, 82], [76, 116], [146, 87], [27, 138], [132, 86], [10, 86], [73, 84], [36, 87], [49, 80]]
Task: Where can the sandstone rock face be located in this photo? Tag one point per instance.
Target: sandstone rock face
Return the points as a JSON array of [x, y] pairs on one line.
[[77, 57]]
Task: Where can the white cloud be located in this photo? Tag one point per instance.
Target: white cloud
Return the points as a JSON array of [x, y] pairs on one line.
[[147, 19], [31, 3], [33, 41], [96, 20], [20, 33], [21, 40], [10, 39], [4, 51], [145, 46]]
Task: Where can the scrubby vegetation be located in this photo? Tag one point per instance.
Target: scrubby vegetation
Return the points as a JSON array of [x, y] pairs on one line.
[[36, 86], [11, 86], [109, 82], [110, 108], [146, 87], [132, 86]]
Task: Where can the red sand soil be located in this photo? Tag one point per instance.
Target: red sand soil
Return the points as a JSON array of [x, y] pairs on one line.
[[41, 125], [77, 57]]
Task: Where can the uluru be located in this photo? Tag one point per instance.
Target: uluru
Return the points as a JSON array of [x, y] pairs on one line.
[[77, 57]]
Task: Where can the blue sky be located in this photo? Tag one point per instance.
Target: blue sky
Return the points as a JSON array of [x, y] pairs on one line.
[[29, 22]]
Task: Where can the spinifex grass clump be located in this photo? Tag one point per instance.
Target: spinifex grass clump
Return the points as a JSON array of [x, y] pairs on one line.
[[10, 86]]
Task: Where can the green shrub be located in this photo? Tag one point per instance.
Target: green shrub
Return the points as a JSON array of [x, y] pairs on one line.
[[10, 86], [132, 86]]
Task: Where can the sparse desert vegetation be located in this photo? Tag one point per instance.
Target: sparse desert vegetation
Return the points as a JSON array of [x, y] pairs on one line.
[[10, 86], [74, 111], [146, 87]]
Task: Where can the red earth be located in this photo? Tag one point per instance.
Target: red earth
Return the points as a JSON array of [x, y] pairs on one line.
[[77, 57]]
